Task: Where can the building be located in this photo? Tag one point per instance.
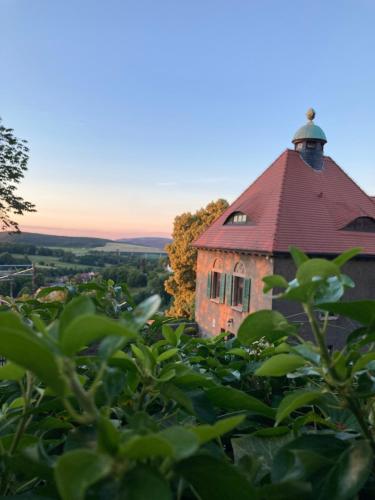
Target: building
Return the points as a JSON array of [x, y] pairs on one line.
[[304, 199]]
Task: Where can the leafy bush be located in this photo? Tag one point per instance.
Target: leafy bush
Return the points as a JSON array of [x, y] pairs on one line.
[[94, 406]]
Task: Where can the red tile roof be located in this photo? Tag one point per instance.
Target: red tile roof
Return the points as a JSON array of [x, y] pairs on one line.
[[293, 204]]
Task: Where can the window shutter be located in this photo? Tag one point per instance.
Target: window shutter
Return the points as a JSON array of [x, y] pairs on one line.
[[209, 285], [222, 288], [228, 294], [246, 295]]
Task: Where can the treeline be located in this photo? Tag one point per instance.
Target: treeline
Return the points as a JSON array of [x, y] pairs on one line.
[[94, 258], [143, 276]]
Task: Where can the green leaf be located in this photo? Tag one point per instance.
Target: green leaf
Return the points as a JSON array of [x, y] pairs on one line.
[[166, 355], [184, 442], [79, 306], [11, 371], [214, 479], [144, 483], [229, 398], [87, 328], [172, 392], [362, 311], [341, 259], [146, 310], [264, 448], [47, 290], [293, 401], [148, 446], [175, 442], [298, 256], [169, 334], [315, 269], [274, 281], [238, 351], [206, 433], [363, 361], [108, 436], [306, 458], [349, 473], [267, 323], [76, 470], [19, 344], [280, 365], [287, 490]]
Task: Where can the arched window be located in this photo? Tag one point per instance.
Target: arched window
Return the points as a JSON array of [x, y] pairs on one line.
[[363, 224], [239, 269], [236, 218], [216, 282], [238, 286], [218, 265]]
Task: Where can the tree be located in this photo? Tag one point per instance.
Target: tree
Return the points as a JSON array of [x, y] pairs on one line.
[[183, 257], [14, 155]]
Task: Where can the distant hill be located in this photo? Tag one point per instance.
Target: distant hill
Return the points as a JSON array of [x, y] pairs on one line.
[[153, 241], [49, 240]]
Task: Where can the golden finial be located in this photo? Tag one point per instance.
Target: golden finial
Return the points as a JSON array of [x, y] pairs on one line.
[[310, 114]]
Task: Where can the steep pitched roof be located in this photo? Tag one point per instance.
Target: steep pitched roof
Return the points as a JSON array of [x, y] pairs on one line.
[[293, 204]]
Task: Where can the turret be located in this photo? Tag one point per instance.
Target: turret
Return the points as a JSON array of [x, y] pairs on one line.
[[309, 141]]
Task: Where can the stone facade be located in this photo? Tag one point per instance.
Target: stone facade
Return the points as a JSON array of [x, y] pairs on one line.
[[361, 271], [213, 316]]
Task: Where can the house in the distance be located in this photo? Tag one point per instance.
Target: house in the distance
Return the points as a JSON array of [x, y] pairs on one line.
[[304, 199]]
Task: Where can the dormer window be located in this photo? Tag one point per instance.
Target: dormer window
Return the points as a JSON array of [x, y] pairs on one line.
[[363, 224], [236, 218]]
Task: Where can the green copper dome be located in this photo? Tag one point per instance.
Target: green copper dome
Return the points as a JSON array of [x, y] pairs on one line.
[[310, 130]]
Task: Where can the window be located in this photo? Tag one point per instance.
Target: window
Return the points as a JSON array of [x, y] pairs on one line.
[[331, 316], [215, 288], [236, 218], [238, 289], [363, 224], [310, 145]]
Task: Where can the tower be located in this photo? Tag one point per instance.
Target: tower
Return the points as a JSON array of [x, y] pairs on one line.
[[309, 141]]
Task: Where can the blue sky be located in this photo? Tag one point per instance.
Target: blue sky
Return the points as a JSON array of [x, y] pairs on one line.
[[139, 110]]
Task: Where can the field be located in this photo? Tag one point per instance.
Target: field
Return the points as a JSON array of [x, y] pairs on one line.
[[55, 262], [127, 248]]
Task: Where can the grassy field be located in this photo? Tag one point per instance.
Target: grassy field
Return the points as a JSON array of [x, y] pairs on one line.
[[127, 248], [54, 262]]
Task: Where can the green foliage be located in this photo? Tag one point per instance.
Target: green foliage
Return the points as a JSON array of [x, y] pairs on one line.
[[14, 156], [183, 256], [101, 398]]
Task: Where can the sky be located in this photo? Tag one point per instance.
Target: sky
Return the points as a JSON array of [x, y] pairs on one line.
[[139, 110]]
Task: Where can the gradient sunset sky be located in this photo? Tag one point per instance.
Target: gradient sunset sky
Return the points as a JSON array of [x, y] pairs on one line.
[[139, 110]]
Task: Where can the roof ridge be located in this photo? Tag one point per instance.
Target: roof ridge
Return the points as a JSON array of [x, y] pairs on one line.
[[285, 152], [280, 200], [351, 179]]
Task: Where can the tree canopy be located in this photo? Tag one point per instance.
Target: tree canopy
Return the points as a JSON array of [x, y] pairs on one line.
[[183, 257], [14, 156]]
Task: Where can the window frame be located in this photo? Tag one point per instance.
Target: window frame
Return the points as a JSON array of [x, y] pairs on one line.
[[238, 290], [216, 278], [239, 276], [216, 286], [237, 218]]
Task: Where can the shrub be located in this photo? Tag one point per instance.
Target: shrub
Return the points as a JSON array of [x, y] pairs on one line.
[[92, 406]]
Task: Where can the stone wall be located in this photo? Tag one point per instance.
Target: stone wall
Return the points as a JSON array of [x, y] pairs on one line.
[[362, 272], [213, 317]]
